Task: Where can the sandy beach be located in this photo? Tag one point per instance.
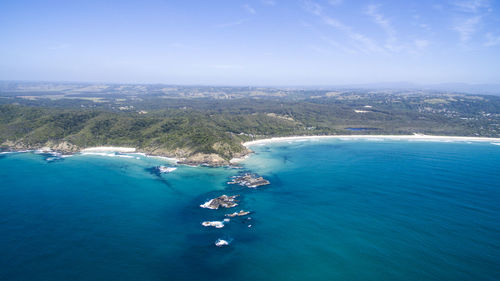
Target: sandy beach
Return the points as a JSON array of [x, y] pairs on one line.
[[417, 137], [101, 150], [109, 149]]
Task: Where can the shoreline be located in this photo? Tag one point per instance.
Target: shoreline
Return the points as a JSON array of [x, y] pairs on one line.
[[101, 150], [125, 152], [109, 149], [128, 151], [385, 137]]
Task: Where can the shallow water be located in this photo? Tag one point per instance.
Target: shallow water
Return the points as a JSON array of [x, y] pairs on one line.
[[336, 210]]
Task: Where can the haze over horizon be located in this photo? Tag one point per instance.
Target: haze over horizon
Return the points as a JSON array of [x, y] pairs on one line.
[[261, 42]]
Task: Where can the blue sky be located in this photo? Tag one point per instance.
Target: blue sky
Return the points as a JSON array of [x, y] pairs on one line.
[[260, 42]]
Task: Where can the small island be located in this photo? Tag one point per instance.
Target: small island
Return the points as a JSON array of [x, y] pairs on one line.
[[223, 201], [249, 180], [239, 214]]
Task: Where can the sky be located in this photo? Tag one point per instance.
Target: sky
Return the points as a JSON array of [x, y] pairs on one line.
[[259, 42]]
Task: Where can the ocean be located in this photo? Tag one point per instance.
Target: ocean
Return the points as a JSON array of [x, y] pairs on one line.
[[335, 210]]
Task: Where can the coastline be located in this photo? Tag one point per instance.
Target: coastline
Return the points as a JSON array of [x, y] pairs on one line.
[[124, 152], [109, 149], [103, 150], [418, 137]]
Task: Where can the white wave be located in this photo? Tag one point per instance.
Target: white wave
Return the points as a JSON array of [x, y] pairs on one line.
[[495, 143], [169, 159], [216, 224], [124, 156], [206, 205], [375, 139], [166, 170], [107, 154], [221, 243]]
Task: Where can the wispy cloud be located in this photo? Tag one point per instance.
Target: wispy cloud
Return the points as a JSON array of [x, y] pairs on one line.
[[385, 24], [230, 24], [471, 6], [362, 42], [313, 7], [470, 16], [467, 27], [249, 9], [492, 40]]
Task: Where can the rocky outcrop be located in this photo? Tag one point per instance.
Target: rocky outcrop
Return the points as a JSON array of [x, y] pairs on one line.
[[212, 160], [223, 201], [62, 147], [239, 214], [185, 155], [249, 180]]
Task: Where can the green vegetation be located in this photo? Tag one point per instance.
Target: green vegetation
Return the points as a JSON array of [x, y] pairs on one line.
[[183, 126]]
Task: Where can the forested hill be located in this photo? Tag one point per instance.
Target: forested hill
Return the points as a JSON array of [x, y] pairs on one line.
[[212, 128]]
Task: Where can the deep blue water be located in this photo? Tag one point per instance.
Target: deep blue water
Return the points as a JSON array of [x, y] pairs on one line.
[[336, 210]]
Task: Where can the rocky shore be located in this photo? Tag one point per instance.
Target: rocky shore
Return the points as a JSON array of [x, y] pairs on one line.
[[63, 148], [184, 156]]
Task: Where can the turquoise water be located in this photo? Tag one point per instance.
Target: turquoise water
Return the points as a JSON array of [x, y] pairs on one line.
[[336, 210]]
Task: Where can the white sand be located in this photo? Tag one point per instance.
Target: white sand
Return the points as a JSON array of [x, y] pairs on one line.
[[109, 149], [417, 137], [130, 151], [107, 154]]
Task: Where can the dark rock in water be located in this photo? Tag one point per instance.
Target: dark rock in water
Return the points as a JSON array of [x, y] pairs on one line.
[[52, 157], [221, 201], [249, 180], [239, 214], [153, 171]]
